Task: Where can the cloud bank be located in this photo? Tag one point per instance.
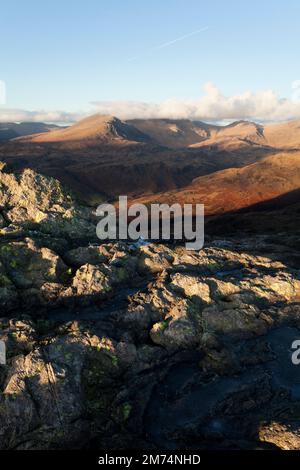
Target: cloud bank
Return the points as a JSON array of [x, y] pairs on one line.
[[261, 106], [21, 115], [213, 106]]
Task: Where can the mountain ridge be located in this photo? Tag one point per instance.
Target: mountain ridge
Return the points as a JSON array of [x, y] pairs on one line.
[[178, 134], [96, 129]]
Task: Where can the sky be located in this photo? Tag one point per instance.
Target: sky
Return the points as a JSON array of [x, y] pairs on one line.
[[216, 60]]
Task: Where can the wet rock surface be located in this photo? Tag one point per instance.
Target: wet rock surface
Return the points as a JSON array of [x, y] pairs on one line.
[[117, 345]]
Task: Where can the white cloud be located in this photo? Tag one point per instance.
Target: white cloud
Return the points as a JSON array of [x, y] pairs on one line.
[[18, 115], [263, 105], [213, 106]]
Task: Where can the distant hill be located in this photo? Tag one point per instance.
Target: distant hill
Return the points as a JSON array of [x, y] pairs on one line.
[[179, 133], [176, 133], [284, 135], [12, 130], [94, 130]]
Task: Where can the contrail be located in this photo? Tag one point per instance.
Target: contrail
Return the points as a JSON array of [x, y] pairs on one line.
[[174, 41], [181, 38]]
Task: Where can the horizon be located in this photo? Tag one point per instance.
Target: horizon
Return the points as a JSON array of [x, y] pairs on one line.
[[220, 123], [174, 60]]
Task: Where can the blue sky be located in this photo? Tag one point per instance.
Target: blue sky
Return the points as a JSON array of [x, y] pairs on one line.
[[63, 55]]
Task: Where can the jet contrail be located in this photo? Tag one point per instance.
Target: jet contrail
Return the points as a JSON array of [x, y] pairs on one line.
[[170, 43], [181, 38]]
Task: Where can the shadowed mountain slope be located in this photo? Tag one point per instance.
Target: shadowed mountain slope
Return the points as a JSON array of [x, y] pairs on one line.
[[236, 188]]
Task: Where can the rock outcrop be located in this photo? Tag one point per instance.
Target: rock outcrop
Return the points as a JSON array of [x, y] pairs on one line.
[[117, 345]]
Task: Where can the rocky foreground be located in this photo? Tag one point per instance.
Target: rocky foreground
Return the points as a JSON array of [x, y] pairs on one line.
[[118, 345]]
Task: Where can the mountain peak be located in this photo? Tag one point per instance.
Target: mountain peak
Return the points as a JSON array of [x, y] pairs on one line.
[[96, 119], [92, 130]]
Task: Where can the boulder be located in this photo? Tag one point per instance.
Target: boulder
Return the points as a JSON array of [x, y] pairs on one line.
[[240, 323], [192, 287]]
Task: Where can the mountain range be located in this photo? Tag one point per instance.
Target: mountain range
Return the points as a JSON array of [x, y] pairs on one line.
[[171, 133], [228, 168]]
